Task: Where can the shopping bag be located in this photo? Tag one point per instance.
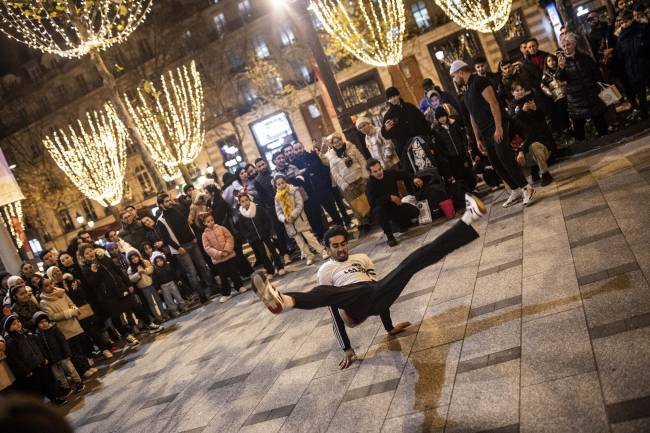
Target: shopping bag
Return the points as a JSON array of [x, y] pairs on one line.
[[609, 94], [425, 212], [360, 205], [85, 311]]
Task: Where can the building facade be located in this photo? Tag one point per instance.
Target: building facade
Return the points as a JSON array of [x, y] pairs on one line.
[[233, 42]]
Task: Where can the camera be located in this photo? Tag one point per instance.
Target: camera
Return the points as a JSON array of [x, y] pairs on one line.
[[348, 162]]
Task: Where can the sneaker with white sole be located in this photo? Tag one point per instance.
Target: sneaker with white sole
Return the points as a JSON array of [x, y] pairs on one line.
[[268, 294], [131, 340], [529, 193], [243, 289], [515, 196], [282, 272], [310, 261], [107, 354], [475, 209], [224, 298]]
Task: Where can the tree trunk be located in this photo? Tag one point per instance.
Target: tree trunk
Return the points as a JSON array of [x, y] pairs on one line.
[[111, 84], [186, 174]]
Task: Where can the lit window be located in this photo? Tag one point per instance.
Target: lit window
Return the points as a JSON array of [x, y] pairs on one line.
[[144, 180], [244, 7], [219, 21], [286, 36], [66, 220], [261, 49], [89, 210], [35, 246], [231, 153], [314, 112], [421, 15], [305, 73]]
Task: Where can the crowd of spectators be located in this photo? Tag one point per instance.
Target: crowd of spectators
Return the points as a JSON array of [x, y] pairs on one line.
[[107, 289]]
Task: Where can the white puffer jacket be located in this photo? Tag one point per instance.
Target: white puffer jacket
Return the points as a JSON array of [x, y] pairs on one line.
[[343, 175]]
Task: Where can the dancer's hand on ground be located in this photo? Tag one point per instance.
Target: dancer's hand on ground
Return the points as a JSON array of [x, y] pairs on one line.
[[348, 359], [399, 328]]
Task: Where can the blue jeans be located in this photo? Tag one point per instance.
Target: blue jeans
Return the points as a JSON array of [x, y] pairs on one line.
[[192, 263]]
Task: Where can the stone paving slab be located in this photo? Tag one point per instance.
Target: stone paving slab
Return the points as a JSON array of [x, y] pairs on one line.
[[540, 325]]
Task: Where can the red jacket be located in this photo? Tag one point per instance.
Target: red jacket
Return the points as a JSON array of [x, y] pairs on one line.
[[217, 241]]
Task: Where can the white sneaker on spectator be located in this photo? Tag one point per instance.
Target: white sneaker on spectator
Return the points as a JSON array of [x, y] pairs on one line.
[[282, 272], [224, 298], [243, 289], [107, 354], [310, 261], [131, 340], [515, 196], [529, 193]]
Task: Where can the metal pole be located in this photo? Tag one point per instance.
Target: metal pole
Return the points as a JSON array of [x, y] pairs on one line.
[[310, 36]]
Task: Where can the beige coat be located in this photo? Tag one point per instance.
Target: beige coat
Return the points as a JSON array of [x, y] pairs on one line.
[[6, 376], [63, 311], [343, 175]]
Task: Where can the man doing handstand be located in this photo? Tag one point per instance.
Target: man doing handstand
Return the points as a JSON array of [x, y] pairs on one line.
[[359, 298]]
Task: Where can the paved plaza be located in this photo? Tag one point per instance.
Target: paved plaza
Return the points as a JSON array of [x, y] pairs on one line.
[[541, 325]]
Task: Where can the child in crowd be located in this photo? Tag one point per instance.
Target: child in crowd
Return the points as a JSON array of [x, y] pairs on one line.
[[60, 308], [451, 141], [57, 352], [290, 208], [255, 224], [6, 376], [219, 243], [140, 271], [164, 278], [28, 362], [22, 301]]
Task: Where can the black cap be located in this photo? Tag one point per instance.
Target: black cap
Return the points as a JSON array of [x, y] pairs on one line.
[[441, 112], [392, 91], [427, 83]]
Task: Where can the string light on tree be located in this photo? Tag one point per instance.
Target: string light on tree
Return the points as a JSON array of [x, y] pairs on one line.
[[485, 16], [93, 154], [372, 31], [168, 173], [171, 121], [72, 28], [12, 213]]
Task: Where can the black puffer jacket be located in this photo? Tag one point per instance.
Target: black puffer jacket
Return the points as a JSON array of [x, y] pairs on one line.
[[55, 346], [582, 76], [109, 285], [409, 122], [24, 353], [256, 228]]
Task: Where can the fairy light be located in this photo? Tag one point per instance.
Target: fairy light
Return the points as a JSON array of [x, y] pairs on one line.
[[71, 28], [168, 173], [171, 121], [93, 155], [377, 39], [484, 17], [10, 213]]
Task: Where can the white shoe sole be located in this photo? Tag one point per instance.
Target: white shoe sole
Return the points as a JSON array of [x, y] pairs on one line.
[[267, 293]]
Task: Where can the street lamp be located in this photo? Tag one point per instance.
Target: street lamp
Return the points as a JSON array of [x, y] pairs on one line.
[[80, 219], [91, 223]]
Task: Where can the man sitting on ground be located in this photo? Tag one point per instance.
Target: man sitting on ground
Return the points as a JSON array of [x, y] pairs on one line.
[[386, 201], [361, 297]]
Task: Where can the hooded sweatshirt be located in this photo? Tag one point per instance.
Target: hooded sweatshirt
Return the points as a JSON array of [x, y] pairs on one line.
[[140, 274]]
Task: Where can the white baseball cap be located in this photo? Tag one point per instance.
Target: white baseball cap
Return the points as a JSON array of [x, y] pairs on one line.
[[456, 66]]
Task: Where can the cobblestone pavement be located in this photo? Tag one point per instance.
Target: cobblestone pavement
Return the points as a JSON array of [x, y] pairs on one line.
[[541, 325]]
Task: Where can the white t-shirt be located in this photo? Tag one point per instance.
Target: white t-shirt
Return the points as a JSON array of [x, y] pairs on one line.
[[356, 269]]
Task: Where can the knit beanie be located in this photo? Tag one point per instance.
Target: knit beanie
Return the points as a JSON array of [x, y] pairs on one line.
[[392, 91], [38, 316], [362, 119], [6, 324], [157, 254]]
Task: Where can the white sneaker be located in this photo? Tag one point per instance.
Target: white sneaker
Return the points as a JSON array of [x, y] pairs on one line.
[[224, 298], [310, 261], [515, 196], [282, 272], [107, 354], [268, 294], [474, 209], [89, 373], [243, 289], [529, 193]]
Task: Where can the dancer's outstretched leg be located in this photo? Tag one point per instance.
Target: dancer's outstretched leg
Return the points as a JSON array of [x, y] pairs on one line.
[[375, 297]]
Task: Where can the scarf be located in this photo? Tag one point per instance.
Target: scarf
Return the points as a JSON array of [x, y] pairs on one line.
[[340, 152], [250, 212], [56, 294], [284, 196]]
